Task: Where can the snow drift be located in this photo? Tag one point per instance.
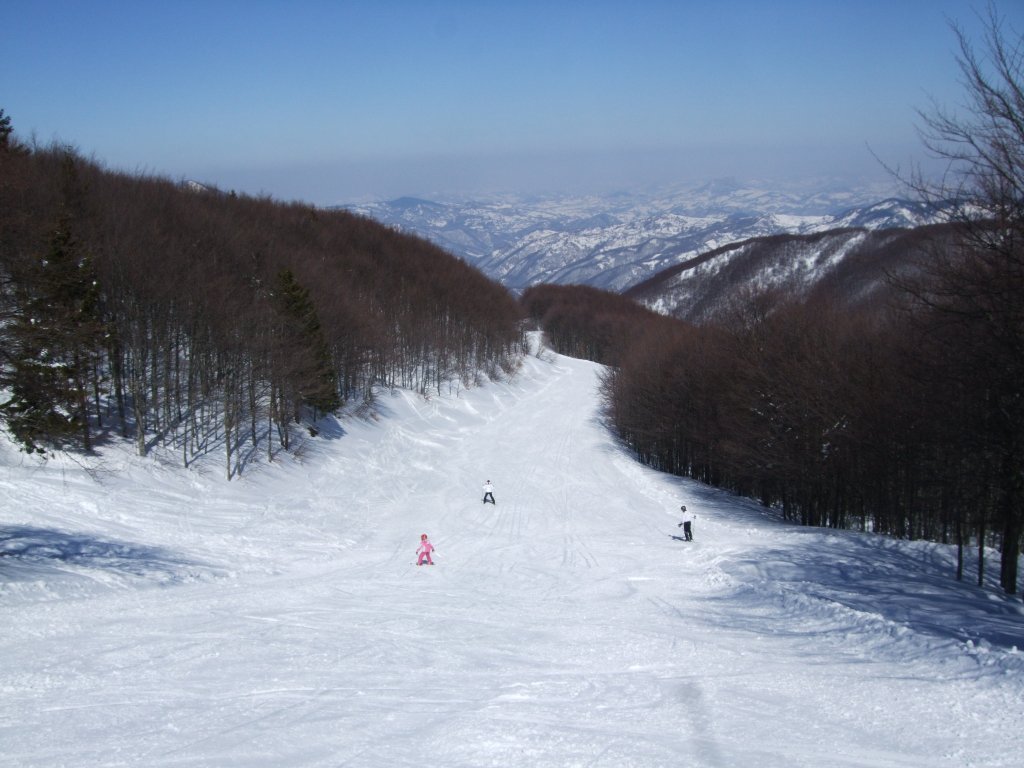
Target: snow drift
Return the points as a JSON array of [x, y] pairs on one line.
[[165, 617]]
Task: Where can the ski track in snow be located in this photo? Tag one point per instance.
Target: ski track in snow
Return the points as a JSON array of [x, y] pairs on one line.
[[157, 616]]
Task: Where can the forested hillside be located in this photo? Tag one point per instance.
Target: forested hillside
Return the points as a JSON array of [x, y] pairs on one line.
[[174, 313], [902, 414], [852, 267], [889, 421]]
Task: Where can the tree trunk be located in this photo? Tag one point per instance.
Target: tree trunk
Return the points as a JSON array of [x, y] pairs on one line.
[[959, 543], [981, 553], [1013, 517]]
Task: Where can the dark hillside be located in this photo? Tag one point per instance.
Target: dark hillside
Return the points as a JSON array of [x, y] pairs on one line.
[[215, 318], [587, 322], [853, 266], [843, 401]]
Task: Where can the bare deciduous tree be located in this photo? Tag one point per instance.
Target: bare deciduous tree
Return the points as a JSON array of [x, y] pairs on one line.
[[970, 296]]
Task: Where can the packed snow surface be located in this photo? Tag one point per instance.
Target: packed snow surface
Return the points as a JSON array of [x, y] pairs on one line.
[[162, 616]]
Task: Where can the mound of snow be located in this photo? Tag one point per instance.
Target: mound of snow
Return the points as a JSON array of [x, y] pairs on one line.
[[161, 616]]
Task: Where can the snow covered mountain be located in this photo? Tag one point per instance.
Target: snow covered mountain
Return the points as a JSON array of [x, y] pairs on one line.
[[852, 264], [616, 241], [159, 616]]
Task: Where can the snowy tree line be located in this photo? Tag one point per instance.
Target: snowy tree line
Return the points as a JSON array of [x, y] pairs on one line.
[[196, 318], [904, 417], [883, 419]]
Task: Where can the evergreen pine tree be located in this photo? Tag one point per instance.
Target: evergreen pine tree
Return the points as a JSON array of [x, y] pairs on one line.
[[53, 340], [5, 131], [309, 368], [55, 335]]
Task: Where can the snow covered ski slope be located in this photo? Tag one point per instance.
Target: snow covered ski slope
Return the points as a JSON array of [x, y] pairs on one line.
[[157, 616]]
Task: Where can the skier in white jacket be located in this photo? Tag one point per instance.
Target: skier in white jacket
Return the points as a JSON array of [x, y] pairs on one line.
[[489, 493], [687, 523]]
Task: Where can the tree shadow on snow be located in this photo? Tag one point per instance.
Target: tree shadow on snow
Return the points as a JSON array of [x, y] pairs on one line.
[[33, 554], [826, 577], [329, 428], [864, 579]]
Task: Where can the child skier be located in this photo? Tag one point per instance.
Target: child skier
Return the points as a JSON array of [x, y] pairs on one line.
[[489, 493], [424, 550]]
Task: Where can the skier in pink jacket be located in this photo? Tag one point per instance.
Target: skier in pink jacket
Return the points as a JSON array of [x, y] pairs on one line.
[[424, 550]]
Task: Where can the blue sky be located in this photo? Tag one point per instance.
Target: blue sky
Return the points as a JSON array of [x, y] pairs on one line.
[[337, 101]]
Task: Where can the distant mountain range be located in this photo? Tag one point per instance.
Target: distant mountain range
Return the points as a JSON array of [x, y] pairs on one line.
[[619, 241], [851, 265]]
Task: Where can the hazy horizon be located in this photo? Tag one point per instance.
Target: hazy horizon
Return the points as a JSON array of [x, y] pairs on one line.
[[336, 102], [539, 175]]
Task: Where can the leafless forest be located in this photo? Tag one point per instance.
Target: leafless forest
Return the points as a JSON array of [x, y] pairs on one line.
[[200, 319], [904, 414], [876, 420]]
